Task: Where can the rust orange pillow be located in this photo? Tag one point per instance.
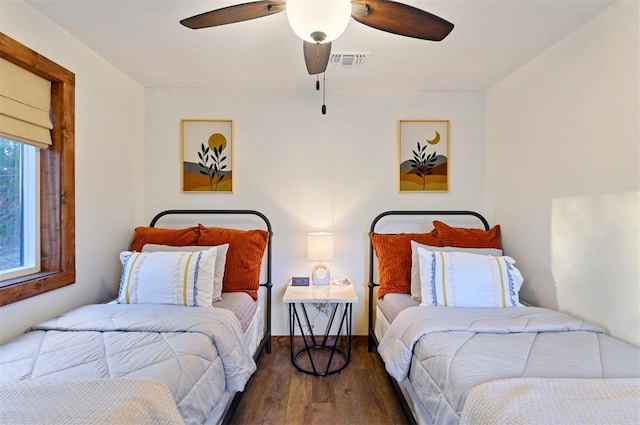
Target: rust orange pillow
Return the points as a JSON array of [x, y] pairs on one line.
[[174, 237], [244, 257], [462, 237], [394, 259]]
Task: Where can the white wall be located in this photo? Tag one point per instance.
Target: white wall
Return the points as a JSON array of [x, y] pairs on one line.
[[109, 161], [309, 172], [563, 171]]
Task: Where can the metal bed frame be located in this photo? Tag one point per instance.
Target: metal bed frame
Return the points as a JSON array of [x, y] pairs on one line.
[[265, 342], [372, 340]]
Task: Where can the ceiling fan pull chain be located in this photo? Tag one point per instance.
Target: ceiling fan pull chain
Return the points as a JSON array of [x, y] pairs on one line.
[[317, 82], [324, 88]]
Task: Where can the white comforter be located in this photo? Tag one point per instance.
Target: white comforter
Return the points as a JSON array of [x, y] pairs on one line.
[[198, 353], [445, 352]]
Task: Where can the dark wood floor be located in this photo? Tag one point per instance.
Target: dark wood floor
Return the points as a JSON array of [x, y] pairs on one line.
[[359, 394]]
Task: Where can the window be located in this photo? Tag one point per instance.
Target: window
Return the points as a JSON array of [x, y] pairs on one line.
[[19, 209], [56, 210]]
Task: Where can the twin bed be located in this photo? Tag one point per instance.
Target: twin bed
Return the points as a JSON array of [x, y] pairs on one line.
[[180, 342], [461, 348]]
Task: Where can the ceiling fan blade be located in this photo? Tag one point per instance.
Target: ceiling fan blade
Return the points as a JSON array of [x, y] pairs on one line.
[[401, 19], [235, 13], [316, 56]]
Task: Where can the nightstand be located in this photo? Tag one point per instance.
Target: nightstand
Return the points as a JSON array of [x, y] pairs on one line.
[[331, 352]]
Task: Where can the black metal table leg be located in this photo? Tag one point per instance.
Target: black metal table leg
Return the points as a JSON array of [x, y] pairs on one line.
[[311, 343]]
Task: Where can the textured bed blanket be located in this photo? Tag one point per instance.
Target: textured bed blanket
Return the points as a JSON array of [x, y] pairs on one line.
[[196, 352], [445, 352], [92, 401], [535, 401]]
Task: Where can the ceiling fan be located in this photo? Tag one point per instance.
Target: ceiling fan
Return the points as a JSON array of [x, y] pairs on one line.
[[319, 22]]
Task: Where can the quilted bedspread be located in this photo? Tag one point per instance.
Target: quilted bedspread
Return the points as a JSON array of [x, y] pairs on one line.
[[544, 401], [87, 401], [446, 352], [198, 353]]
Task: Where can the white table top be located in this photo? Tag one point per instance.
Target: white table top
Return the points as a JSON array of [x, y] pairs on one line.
[[320, 294]]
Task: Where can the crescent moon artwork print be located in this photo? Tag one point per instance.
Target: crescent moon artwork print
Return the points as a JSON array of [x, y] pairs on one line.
[[435, 140], [423, 155], [207, 155]]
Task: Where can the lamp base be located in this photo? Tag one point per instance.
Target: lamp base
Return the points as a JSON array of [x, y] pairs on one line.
[[320, 275]]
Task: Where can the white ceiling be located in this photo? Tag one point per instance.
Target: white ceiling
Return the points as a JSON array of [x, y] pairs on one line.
[[143, 38]]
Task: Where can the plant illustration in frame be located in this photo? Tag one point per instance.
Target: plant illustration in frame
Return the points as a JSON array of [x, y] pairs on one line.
[[423, 151], [207, 153]]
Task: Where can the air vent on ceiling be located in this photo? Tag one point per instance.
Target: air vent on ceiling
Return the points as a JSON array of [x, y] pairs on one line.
[[348, 60]]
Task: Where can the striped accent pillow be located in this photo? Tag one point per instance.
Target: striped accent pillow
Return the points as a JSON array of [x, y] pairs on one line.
[[221, 256], [416, 287], [462, 279], [177, 278]]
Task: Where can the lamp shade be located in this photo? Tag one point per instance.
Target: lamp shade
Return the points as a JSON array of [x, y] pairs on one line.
[[318, 21], [320, 246]]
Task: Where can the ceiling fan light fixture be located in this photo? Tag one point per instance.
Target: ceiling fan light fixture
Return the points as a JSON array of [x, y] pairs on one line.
[[318, 21]]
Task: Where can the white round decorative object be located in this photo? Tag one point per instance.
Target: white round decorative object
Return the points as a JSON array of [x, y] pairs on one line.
[[321, 275]]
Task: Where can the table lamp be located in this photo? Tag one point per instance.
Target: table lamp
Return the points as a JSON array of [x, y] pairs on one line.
[[320, 248]]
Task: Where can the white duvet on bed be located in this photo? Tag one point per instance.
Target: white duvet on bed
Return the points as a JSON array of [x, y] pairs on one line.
[[445, 352], [197, 352]]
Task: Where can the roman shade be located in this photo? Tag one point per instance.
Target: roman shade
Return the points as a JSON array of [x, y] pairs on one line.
[[25, 103]]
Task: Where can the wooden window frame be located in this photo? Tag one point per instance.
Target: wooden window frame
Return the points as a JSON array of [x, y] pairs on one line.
[[57, 181]]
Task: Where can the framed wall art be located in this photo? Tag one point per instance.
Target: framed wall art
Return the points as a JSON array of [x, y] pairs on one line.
[[423, 155], [207, 155]]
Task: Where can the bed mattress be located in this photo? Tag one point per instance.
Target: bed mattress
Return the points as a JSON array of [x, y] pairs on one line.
[[249, 313], [392, 304], [241, 304]]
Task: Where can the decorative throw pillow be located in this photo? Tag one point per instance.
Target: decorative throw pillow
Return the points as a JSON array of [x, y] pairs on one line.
[[467, 238], [244, 257], [394, 259], [416, 290], [221, 256], [156, 235], [177, 278], [460, 279]]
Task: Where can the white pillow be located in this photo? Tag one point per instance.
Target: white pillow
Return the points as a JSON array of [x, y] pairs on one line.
[[461, 279], [177, 278], [221, 260], [416, 291]]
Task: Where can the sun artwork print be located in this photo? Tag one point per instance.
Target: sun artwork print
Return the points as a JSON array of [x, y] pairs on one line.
[[424, 147], [207, 156]]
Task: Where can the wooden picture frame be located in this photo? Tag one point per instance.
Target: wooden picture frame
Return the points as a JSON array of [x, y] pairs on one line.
[[207, 155], [423, 156]]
